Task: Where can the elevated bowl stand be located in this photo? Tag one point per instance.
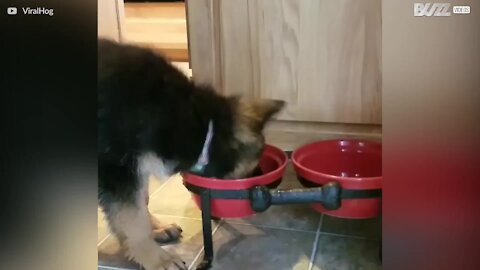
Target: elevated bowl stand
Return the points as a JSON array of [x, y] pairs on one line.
[[261, 197]]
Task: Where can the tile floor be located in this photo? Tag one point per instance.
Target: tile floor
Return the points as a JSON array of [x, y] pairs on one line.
[[283, 238]]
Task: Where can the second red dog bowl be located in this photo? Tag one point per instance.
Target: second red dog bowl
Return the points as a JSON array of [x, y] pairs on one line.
[[272, 163], [356, 165]]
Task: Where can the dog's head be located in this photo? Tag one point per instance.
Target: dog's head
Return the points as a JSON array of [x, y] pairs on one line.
[[239, 155]]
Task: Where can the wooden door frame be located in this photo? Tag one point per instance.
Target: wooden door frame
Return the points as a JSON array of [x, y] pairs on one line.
[[203, 39], [111, 19]]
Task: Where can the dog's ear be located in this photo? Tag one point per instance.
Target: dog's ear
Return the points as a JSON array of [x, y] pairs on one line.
[[256, 113], [263, 110]]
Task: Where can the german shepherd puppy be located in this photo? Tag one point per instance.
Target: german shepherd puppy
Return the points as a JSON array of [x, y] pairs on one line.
[[152, 120]]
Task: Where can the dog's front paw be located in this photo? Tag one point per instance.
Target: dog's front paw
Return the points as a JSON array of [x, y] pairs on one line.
[[174, 263], [167, 234]]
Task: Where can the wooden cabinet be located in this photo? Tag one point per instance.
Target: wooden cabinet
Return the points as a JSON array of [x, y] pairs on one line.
[[323, 57]]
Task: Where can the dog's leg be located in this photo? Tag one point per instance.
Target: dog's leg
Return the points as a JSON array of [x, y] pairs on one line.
[[131, 221], [163, 233], [149, 164], [126, 209]]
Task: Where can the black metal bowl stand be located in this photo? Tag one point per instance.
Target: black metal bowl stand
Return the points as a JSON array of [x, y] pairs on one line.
[[261, 198]]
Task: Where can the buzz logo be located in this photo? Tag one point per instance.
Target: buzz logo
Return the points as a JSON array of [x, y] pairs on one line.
[[431, 9]]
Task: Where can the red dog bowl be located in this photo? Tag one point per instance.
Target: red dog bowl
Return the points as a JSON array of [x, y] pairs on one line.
[[272, 164], [356, 165]]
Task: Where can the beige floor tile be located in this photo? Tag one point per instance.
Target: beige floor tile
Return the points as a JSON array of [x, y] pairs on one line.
[[154, 184], [175, 200], [102, 227], [110, 253]]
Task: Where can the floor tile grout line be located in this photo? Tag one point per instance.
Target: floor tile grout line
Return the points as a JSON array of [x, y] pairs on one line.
[[203, 248], [270, 227], [315, 243], [161, 186], [348, 236], [103, 240], [173, 216], [111, 267]]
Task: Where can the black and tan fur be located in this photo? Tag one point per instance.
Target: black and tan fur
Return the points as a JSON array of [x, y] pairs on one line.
[[152, 120]]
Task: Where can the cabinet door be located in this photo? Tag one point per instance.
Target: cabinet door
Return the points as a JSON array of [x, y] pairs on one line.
[[323, 57], [111, 19]]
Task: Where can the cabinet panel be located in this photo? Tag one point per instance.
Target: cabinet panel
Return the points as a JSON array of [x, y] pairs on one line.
[[203, 45], [322, 57]]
